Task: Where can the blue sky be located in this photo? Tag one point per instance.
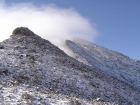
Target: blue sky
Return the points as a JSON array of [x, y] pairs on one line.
[[117, 21]]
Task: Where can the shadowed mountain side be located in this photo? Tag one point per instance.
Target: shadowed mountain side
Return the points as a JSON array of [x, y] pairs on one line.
[[32, 71]]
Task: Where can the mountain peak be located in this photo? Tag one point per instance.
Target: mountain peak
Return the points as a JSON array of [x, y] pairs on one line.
[[34, 71], [22, 31], [26, 39]]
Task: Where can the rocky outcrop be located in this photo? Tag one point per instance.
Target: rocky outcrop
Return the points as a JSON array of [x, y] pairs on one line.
[[22, 31]]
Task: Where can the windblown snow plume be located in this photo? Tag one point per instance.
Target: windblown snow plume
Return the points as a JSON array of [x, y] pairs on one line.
[[50, 22]]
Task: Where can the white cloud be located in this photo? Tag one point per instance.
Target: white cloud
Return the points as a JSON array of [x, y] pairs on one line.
[[48, 21]]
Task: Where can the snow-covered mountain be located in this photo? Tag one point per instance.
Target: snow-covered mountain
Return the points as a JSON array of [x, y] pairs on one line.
[[110, 62], [34, 71]]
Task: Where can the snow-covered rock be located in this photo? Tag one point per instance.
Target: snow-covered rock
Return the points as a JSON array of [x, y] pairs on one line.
[[34, 71], [110, 62]]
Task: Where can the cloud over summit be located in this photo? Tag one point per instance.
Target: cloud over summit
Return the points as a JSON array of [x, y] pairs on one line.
[[48, 21]]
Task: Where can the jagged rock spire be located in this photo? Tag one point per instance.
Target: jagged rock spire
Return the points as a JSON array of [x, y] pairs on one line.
[[22, 31]]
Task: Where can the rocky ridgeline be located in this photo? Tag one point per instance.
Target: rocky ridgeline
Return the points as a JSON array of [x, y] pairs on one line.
[[34, 71], [24, 36]]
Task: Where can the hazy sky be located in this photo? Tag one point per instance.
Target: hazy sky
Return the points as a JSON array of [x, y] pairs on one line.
[[115, 23]]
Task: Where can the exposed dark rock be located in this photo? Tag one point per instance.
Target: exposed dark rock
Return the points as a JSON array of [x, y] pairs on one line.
[[26, 96], [1, 47], [22, 31]]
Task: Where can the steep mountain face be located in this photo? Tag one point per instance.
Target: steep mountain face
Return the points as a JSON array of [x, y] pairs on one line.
[[34, 71], [110, 62]]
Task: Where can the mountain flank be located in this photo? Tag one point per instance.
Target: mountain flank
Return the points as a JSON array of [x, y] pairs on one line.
[[110, 62], [33, 71]]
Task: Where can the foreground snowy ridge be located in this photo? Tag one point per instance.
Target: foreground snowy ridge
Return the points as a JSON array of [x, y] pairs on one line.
[[34, 71]]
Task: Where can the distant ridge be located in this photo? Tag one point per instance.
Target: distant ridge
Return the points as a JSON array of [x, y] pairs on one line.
[[108, 61]]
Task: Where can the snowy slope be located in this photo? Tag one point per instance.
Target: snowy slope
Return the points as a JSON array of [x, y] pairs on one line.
[[113, 63], [35, 72]]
